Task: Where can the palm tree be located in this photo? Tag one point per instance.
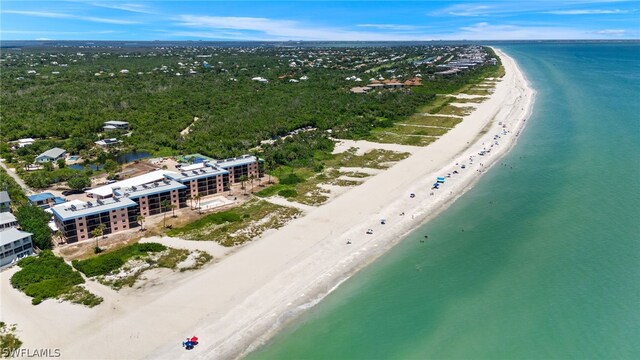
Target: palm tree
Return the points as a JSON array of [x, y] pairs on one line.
[[97, 233], [197, 198], [252, 178], [59, 235], [165, 205], [190, 198], [140, 220], [269, 168], [243, 178]]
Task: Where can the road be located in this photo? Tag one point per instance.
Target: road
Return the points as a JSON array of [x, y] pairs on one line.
[[15, 176]]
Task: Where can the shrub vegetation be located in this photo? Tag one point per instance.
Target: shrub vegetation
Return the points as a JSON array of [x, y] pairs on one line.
[[45, 276], [108, 262]]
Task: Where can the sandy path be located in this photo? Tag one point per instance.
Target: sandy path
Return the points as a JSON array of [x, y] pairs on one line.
[[237, 302]]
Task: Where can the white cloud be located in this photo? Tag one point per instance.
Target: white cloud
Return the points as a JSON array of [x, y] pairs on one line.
[[468, 10], [57, 15], [49, 32], [253, 28], [394, 27], [616, 32], [587, 12], [136, 8], [487, 31]]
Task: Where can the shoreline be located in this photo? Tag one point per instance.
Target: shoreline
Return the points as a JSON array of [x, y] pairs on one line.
[[237, 304], [520, 126]]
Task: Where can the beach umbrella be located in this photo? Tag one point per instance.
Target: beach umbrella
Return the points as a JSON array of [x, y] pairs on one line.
[[194, 339]]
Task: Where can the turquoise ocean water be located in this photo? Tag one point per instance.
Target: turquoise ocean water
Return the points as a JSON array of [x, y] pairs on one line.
[[548, 264]]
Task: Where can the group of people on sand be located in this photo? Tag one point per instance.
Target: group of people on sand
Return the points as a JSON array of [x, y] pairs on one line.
[[190, 343]]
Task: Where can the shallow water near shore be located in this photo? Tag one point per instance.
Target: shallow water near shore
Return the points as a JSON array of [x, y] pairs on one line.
[[539, 260]]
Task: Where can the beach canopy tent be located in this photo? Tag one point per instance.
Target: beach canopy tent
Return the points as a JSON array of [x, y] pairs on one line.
[[440, 179]]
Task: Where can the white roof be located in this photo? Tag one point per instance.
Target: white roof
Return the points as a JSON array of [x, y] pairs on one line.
[[192, 167], [7, 217], [116, 122], [26, 140], [53, 153], [11, 235], [107, 190]]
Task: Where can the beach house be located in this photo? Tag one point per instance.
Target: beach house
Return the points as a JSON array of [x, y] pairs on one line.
[[51, 155], [14, 244], [25, 142], [105, 143], [5, 202], [45, 200], [115, 125]]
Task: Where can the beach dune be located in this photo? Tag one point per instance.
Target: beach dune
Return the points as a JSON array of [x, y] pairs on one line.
[[239, 302]]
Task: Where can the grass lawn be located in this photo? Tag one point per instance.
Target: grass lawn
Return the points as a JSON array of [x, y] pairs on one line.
[[433, 120], [471, 100], [238, 225], [418, 130], [456, 110], [375, 159]]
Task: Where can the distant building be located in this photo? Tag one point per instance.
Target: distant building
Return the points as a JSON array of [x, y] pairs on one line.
[[7, 220], [108, 142], [51, 155], [360, 90], [115, 125], [25, 142], [5, 202], [14, 244]]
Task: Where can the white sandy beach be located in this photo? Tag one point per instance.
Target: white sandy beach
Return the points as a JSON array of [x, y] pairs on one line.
[[235, 304]]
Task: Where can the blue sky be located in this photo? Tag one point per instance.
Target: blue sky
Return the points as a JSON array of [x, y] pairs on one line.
[[318, 20]]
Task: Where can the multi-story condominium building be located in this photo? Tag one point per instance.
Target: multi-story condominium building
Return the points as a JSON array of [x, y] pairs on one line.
[[14, 244], [118, 205], [202, 179], [149, 198], [77, 221], [247, 165]]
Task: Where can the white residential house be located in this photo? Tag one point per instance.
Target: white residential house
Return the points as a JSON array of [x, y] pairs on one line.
[[14, 244], [25, 142], [108, 142], [115, 125], [51, 155]]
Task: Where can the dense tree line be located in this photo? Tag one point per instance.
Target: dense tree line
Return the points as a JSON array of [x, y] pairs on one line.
[[8, 184], [69, 109], [35, 220]]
